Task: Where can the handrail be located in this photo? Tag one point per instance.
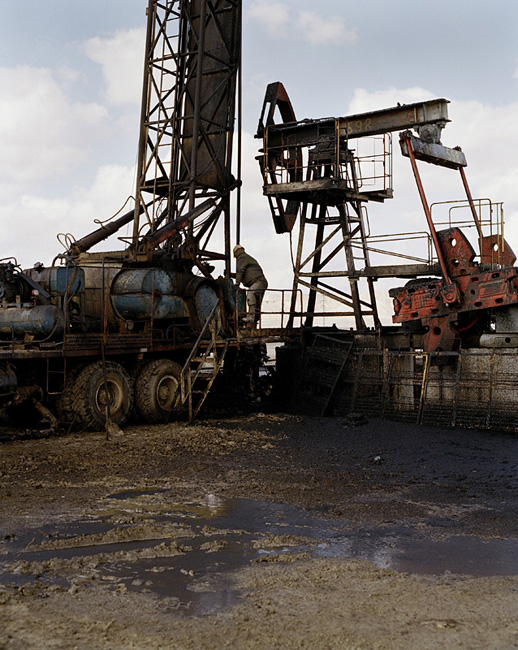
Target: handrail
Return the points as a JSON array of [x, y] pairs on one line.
[[200, 337], [283, 312], [188, 378]]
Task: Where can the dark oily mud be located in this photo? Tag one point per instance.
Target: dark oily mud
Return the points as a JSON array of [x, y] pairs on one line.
[[188, 552], [267, 516]]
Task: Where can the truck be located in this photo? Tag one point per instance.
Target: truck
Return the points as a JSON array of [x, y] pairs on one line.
[[99, 337]]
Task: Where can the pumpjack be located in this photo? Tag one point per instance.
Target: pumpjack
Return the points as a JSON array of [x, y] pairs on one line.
[[452, 356], [475, 297]]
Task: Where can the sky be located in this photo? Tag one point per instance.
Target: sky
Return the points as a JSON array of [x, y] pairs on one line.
[[70, 80]]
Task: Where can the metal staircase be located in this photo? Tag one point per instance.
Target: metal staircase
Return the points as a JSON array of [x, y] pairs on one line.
[[202, 366]]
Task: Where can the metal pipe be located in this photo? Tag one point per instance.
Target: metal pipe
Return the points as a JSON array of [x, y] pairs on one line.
[[159, 236], [197, 104], [472, 207], [239, 139], [143, 127], [427, 212], [85, 243]]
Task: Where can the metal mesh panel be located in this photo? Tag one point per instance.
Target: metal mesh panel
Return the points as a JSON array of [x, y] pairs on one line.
[[475, 388], [322, 370]]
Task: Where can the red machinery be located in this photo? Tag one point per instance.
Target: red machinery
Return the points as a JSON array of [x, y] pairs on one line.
[[471, 293]]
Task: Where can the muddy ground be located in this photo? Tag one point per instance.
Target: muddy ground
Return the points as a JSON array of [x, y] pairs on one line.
[[260, 531]]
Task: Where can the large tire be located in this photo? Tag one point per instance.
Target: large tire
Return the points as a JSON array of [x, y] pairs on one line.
[[89, 395], [157, 391], [65, 402]]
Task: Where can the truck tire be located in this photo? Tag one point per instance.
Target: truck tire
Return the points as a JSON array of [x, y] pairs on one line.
[[89, 400], [65, 402], [157, 391]]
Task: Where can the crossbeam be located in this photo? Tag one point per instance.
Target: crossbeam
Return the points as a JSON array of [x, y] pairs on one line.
[[397, 118]]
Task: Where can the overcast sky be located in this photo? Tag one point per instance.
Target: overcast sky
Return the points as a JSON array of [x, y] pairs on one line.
[[70, 80]]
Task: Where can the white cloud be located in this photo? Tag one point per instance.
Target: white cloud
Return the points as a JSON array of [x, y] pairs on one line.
[[271, 15], [364, 101], [318, 30], [42, 133], [275, 18], [122, 60], [67, 75], [40, 219]]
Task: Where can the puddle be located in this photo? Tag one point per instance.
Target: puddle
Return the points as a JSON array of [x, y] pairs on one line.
[[143, 541], [133, 494]]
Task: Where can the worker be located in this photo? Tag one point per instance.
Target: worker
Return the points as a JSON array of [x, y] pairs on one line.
[[251, 275]]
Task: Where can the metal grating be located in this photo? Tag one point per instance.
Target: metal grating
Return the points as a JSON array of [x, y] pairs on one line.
[[475, 388], [324, 364]]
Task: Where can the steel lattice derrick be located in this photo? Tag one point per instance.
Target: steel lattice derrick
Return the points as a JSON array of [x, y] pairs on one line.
[[187, 115]]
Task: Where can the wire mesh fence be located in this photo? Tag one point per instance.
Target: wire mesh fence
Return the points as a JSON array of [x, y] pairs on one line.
[[475, 388]]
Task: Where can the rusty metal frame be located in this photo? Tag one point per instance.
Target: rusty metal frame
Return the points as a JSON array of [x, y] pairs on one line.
[[462, 300], [494, 222], [345, 229], [309, 168]]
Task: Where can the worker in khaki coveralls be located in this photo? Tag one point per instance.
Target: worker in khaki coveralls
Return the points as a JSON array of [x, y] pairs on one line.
[[251, 275]]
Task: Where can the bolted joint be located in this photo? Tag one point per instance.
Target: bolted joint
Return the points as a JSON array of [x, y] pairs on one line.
[[450, 294]]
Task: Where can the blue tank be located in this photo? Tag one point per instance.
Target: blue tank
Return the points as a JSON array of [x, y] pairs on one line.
[[139, 294], [59, 280], [41, 321]]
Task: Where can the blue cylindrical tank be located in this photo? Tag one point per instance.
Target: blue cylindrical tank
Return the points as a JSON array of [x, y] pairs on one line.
[[60, 280], [236, 296], [139, 294], [40, 321], [64, 280], [204, 300]]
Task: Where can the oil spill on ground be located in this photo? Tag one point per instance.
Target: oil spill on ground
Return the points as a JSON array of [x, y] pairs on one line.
[[143, 541]]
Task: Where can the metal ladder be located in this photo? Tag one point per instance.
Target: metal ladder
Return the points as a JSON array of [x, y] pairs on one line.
[[203, 364]]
